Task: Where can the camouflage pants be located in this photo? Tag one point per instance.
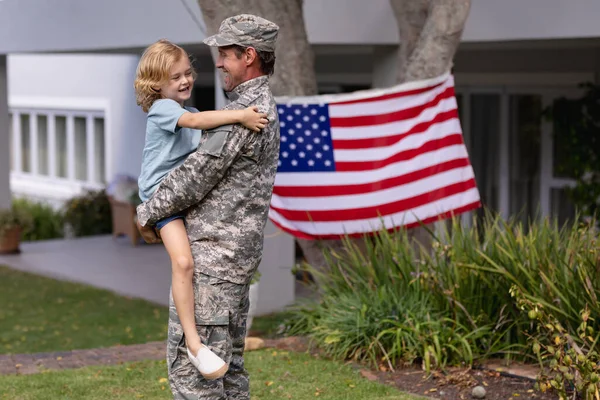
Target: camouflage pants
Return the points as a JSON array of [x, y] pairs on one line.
[[221, 312]]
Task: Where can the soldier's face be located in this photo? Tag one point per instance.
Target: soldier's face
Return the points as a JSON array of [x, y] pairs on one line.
[[234, 65]]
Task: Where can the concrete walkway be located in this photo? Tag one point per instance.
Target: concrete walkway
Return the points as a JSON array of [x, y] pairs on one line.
[[142, 271], [101, 261]]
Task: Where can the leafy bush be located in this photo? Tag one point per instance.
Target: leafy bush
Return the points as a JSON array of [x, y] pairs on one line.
[[89, 214], [451, 304], [569, 365], [46, 223]]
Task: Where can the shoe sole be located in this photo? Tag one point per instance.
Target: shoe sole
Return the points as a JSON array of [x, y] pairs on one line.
[[217, 374]]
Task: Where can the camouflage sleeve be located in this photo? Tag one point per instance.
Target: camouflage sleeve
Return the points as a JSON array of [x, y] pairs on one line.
[[189, 183]]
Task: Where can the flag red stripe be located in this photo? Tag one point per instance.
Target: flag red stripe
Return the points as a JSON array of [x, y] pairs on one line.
[[446, 215], [379, 119], [432, 145], [327, 191], [376, 211], [390, 95], [354, 144]]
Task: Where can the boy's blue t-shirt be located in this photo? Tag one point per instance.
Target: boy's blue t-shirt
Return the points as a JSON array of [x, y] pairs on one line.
[[167, 145]]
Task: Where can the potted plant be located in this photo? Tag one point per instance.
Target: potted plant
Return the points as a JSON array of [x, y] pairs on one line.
[[12, 223], [253, 299]]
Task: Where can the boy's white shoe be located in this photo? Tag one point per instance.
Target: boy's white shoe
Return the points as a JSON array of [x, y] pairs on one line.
[[210, 365]]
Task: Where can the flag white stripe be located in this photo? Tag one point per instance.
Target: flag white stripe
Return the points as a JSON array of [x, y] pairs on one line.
[[454, 152], [392, 128], [368, 225], [434, 132], [386, 106], [363, 94], [374, 199]]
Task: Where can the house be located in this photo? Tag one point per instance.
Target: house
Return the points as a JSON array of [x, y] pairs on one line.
[[68, 118]]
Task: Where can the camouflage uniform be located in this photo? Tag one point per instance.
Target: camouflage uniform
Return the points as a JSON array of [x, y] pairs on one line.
[[226, 188]]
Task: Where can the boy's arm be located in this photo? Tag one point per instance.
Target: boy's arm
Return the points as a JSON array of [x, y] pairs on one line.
[[249, 117]]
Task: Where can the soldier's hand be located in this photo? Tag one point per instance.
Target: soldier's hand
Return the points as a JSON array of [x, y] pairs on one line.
[[149, 234]]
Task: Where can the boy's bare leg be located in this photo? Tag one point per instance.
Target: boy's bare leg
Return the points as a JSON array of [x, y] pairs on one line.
[[175, 239]]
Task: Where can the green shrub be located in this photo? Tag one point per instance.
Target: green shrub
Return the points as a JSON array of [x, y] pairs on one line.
[[450, 304], [569, 365], [89, 214], [46, 223]]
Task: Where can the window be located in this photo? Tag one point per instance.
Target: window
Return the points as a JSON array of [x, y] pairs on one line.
[[60, 144]]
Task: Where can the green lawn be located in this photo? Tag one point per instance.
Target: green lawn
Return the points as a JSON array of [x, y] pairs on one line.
[[40, 314], [274, 376]]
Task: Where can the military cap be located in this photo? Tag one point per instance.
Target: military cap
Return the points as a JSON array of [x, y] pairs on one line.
[[246, 30]]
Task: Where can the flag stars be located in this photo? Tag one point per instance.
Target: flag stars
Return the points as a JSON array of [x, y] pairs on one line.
[[305, 138]]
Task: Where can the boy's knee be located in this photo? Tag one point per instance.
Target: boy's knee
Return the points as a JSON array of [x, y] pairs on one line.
[[184, 264]]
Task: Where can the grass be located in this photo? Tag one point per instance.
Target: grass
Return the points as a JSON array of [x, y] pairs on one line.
[[40, 314], [274, 375]]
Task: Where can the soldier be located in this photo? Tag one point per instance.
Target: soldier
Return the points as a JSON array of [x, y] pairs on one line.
[[225, 188]]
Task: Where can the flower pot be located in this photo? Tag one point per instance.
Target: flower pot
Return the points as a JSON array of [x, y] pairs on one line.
[[10, 241], [252, 309]]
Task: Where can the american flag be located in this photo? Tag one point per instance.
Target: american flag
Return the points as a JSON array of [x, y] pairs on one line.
[[351, 162]]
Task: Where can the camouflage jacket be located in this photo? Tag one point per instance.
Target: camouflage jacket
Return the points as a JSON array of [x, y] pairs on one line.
[[225, 188]]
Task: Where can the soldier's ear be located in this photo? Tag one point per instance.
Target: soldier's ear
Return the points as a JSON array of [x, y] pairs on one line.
[[250, 55]]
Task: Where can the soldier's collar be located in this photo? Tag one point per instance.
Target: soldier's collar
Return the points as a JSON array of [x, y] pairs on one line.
[[244, 86]]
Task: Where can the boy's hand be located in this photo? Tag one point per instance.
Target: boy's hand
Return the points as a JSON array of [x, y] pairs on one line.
[[254, 120]]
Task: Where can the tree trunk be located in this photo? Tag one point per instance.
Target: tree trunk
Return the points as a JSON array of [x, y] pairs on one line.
[[430, 32], [294, 65]]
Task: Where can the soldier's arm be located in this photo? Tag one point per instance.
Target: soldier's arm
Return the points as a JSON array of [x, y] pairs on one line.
[[189, 183]]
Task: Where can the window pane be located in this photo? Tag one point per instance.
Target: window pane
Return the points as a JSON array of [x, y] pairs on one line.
[[561, 206], [483, 146], [99, 150], [10, 142], [25, 143], [525, 141], [61, 146], [80, 149], [42, 133]]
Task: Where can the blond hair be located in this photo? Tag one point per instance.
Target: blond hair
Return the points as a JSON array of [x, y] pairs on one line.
[[153, 70]]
